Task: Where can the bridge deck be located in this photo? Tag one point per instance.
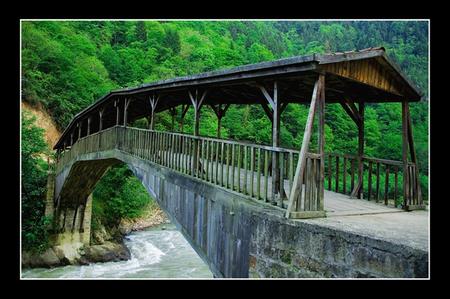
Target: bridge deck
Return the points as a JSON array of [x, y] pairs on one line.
[[335, 204]]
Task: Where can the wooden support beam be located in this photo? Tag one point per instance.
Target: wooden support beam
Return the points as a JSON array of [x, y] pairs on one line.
[[184, 110], [153, 100], [355, 117], [79, 128], [116, 104], [220, 113], [268, 111], [173, 112], [321, 146], [88, 126], [267, 96], [351, 109], [405, 154], [276, 141], [125, 111], [298, 178], [357, 191], [100, 123], [197, 103], [412, 150]]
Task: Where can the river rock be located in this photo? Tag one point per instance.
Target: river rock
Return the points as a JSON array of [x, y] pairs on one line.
[[107, 252], [46, 259], [69, 253]]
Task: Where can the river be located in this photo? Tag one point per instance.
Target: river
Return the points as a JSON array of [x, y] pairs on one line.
[[159, 252]]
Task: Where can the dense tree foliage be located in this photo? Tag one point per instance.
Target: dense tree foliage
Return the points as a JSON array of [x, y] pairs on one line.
[[68, 65], [34, 178], [125, 200]]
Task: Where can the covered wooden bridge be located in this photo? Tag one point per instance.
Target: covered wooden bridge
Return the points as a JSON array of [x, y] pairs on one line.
[[290, 179]]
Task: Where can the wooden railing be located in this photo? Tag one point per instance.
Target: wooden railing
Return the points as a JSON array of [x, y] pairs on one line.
[[239, 166], [247, 168], [381, 180]]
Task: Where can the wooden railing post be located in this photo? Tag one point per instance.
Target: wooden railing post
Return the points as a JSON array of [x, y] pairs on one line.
[[116, 104]]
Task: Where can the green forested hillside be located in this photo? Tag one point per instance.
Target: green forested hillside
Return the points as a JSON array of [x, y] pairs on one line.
[[66, 66]]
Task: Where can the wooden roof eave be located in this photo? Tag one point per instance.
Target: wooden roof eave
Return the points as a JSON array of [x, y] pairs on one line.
[[184, 83]]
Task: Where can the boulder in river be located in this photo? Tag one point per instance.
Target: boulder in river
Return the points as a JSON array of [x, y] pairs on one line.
[[107, 252]]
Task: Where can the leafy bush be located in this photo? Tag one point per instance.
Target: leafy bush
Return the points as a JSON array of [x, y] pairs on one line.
[[34, 178]]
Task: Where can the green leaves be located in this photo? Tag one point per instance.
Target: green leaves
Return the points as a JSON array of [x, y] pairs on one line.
[[34, 178], [119, 194]]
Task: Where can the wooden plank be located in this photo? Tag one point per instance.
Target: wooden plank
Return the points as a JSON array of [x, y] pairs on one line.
[[206, 164], [252, 170], [369, 195], [222, 162], [266, 176], [280, 204], [395, 184], [244, 187], [239, 161], [233, 154], [344, 173], [352, 175], [337, 176], [412, 150], [291, 169], [258, 180], [386, 185], [216, 177], [330, 159], [227, 165]]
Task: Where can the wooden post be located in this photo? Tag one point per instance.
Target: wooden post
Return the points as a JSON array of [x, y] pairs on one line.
[[116, 104], [405, 154], [89, 125], [125, 111], [100, 114], [184, 109], [298, 178], [173, 112], [153, 100], [275, 105], [357, 191], [197, 103], [413, 154], [321, 146], [360, 148], [79, 129], [71, 139], [219, 113]]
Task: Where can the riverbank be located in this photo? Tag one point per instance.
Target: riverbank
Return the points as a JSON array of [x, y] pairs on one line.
[[107, 244]]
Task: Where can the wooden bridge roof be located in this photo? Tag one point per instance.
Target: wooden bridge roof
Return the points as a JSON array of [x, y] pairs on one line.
[[366, 75]]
